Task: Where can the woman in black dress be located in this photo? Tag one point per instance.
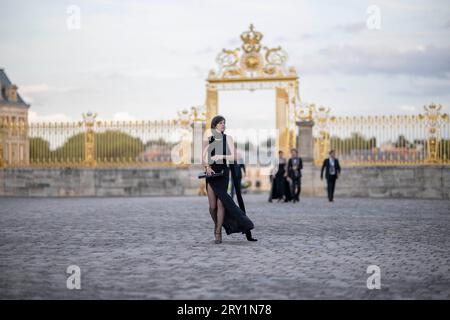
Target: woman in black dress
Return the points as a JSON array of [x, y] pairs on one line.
[[280, 186], [218, 153]]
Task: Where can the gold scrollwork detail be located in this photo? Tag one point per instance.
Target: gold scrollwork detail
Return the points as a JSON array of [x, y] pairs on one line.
[[252, 61]]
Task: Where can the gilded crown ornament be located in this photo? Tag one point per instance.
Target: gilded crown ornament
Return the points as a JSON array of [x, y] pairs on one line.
[[251, 40], [252, 60]]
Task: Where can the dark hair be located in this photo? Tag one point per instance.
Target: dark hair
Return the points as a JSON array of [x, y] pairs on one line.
[[215, 121], [331, 151], [280, 152], [293, 149]]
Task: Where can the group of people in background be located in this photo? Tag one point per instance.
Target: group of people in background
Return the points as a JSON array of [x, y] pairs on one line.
[[286, 176]]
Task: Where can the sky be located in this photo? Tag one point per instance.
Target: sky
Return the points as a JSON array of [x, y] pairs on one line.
[[149, 59]]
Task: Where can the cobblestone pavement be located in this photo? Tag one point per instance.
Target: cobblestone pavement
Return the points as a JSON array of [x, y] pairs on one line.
[[163, 248]]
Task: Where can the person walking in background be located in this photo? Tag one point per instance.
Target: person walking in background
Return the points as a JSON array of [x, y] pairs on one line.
[[295, 166], [332, 171]]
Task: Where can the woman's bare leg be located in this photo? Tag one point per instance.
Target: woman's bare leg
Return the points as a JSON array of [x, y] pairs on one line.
[[212, 199], [220, 216]]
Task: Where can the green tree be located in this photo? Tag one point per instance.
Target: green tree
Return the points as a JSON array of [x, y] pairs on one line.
[[444, 149], [71, 150], [356, 141], [39, 149], [117, 145], [402, 142], [108, 145]]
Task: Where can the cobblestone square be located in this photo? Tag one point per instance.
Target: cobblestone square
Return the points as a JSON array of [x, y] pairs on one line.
[[163, 248]]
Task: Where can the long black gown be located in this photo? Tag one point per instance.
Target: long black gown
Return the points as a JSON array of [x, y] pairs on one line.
[[280, 185], [235, 219]]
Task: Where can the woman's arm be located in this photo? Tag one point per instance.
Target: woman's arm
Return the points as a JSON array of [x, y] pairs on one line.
[[286, 167], [205, 157], [232, 156], [274, 166]]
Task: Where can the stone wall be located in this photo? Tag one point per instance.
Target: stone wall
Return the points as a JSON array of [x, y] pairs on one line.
[[98, 182], [431, 182], [389, 182]]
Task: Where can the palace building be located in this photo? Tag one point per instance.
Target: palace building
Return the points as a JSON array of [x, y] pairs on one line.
[[13, 111]]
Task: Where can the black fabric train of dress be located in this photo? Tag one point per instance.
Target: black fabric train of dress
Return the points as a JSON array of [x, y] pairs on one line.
[[280, 185], [235, 219]]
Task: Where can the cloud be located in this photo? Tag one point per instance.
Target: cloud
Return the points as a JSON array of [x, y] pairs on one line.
[[427, 61], [354, 27], [53, 117], [42, 87], [150, 59], [409, 109], [201, 72], [424, 87], [341, 89], [61, 117], [33, 88], [123, 116]]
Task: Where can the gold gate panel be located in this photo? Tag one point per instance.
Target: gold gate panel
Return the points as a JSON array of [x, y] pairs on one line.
[[420, 139], [256, 67]]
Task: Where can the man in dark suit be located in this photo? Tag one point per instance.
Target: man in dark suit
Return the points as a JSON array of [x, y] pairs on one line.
[[294, 172], [332, 171]]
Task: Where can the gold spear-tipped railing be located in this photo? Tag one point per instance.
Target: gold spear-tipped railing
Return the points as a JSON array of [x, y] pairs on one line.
[[95, 143], [420, 139]]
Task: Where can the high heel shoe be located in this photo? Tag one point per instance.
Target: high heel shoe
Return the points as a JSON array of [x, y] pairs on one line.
[[219, 238], [248, 234]]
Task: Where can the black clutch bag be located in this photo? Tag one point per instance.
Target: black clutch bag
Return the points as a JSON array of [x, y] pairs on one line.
[[217, 174]]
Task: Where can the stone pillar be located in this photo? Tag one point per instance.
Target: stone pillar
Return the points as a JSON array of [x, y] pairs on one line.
[[305, 140], [198, 129], [311, 184]]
